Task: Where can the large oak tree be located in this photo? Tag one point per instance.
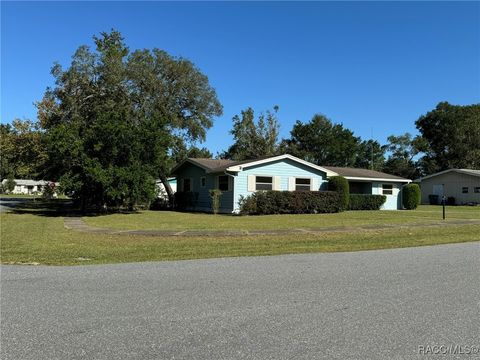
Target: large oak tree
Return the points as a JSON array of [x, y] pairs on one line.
[[115, 116]]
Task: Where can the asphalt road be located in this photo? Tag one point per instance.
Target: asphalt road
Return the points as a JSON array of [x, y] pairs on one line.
[[364, 305]]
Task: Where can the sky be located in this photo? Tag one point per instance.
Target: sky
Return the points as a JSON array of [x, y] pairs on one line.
[[375, 67]]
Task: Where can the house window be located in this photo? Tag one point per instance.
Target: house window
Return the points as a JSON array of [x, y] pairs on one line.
[[223, 183], [387, 189], [187, 184], [263, 183], [465, 190], [203, 181], [302, 184], [476, 189]]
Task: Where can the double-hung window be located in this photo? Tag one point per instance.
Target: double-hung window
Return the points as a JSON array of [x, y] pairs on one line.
[[302, 184], [465, 190], [263, 183], [387, 189], [223, 183]]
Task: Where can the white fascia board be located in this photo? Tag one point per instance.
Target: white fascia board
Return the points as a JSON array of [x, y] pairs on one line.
[[238, 168], [376, 179], [461, 171]]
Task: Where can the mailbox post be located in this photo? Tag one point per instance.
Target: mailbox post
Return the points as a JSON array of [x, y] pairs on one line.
[[444, 200]]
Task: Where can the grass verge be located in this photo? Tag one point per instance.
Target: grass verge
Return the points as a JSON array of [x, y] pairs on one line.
[[40, 237]]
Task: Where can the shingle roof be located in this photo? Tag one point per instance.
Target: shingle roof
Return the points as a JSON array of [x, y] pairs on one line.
[[362, 173], [28, 182]]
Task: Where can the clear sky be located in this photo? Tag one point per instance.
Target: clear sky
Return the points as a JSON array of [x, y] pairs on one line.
[[368, 65]]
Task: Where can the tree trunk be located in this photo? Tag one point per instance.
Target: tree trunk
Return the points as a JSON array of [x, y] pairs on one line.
[[168, 188]]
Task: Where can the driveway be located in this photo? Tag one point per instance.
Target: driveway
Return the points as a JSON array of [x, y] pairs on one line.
[[383, 304]]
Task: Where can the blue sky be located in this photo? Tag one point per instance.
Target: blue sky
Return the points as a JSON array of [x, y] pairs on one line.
[[368, 65]]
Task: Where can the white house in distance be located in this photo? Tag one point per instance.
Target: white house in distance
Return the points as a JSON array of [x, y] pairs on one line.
[[28, 187], [461, 184]]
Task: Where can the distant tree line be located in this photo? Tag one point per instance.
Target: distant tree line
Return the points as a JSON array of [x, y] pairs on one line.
[[449, 138], [117, 119]]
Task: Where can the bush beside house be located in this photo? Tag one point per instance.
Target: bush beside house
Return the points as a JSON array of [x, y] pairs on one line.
[[290, 202], [411, 196], [340, 185], [366, 201]]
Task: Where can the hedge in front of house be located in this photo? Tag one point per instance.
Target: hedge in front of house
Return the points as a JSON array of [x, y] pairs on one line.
[[411, 196], [290, 202], [366, 201], [340, 185]]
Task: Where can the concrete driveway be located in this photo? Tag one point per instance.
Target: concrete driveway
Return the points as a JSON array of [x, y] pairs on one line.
[[384, 304]]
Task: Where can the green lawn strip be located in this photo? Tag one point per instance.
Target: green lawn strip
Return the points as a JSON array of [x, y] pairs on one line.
[[168, 220], [33, 238]]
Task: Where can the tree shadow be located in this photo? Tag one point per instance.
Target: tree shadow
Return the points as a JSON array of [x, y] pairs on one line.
[[54, 208]]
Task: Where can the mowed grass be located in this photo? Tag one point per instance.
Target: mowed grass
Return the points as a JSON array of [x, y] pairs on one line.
[[38, 235], [169, 220]]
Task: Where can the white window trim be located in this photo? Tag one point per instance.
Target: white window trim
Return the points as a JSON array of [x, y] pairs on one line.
[[255, 182]]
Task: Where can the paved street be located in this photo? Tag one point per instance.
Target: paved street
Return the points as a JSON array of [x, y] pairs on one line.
[[364, 305]]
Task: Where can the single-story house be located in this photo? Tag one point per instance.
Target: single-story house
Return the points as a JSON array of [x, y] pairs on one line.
[[284, 172], [461, 184], [28, 187]]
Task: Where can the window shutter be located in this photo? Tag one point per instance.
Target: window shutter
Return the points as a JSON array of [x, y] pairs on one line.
[[291, 184], [191, 185], [276, 183], [251, 183], [230, 183], [216, 182]]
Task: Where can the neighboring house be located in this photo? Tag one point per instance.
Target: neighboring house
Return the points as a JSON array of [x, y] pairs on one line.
[[285, 173], [461, 184], [28, 187]]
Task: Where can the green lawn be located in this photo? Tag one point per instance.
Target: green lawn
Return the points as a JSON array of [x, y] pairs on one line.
[[36, 234], [169, 220]]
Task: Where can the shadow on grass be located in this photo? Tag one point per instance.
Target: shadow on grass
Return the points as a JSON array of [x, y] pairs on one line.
[[53, 208]]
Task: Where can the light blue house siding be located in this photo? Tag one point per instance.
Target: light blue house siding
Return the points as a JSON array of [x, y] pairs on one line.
[[394, 201], [283, 170], [203, 203]]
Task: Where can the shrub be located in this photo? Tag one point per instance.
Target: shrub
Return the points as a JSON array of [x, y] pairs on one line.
[[215, 195], [290, 202], [9, 185], [411, 196], [185, 200], [433, 199], [49, 191], [366, 201], [340, 185]]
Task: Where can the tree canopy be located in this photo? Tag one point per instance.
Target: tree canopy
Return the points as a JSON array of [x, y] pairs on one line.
[[452, 135], [253, 139], [22, 150], [322, 142], [114, 118]]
